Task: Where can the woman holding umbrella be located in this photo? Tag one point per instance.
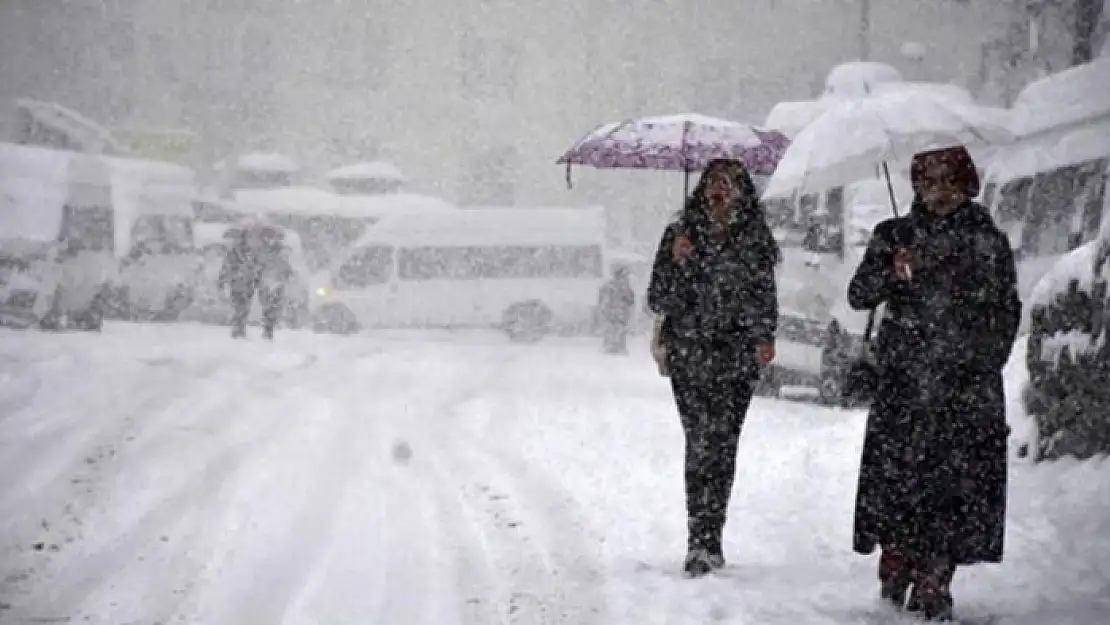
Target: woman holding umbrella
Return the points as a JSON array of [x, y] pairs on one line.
[[713, 281], [932, 484]]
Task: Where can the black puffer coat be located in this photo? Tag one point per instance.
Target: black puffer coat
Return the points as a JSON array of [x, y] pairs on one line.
[[933, 472]]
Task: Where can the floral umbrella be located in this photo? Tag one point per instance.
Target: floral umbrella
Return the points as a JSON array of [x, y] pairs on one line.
[[678, 143]]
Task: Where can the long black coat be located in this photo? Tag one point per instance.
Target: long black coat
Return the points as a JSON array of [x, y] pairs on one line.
[[726, 292], [933, 471]]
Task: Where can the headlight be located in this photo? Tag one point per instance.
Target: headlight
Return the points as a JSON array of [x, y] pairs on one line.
[[322, 291]]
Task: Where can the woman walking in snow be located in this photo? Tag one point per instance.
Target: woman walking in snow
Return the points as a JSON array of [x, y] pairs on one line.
[[713, 282], [932, 484]]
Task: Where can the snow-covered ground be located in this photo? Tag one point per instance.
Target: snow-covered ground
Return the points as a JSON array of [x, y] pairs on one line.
[[165, 474]]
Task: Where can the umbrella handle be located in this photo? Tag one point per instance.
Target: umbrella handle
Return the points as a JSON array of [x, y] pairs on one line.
[[890, 189]]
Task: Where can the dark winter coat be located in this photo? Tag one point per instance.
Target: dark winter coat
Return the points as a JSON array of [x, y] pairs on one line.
[[241, 269], [724, 295], [933, 471]]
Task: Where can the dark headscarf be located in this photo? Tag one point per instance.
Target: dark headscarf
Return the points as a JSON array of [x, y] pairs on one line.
[[959, 162], [747, 209]]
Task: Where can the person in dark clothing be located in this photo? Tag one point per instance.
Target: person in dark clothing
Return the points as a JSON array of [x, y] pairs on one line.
[[255, 261], [713, 282], [615, 302], [932, 484]]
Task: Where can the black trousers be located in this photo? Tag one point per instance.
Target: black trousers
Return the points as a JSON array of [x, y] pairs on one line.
[[713, 384], [270, 297]]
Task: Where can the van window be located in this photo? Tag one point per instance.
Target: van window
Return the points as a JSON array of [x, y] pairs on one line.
[[87, 228], [988, 194], [499, 262], [1090, 190], [161, 234], [366, 267], [1050, 213], [1013, 202]]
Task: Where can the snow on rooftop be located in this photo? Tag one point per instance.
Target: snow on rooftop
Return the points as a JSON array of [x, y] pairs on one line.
[[308, 201], [492, 226], [370, 170], [263, 162]]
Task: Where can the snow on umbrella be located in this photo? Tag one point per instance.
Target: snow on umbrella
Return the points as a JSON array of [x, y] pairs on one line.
[[849, 140], [678, 143]]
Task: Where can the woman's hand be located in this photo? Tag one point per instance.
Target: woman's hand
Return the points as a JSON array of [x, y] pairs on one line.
[[765, 352], [681, 249], [903, 264]]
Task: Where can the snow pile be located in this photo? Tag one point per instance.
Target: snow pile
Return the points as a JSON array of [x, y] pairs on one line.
[[1078, 265]]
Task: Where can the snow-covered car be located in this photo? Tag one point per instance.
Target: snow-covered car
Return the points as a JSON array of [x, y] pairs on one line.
[[211, 304], [1068, 355]]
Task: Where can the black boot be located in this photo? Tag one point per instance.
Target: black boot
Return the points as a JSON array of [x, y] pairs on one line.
[[895, 576], [697, 562], [715, 550]]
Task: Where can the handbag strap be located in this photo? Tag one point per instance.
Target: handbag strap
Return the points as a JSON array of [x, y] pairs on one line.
[[870, 325]]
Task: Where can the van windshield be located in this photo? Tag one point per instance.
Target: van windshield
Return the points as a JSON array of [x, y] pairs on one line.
[[87, 229], [161, 234]]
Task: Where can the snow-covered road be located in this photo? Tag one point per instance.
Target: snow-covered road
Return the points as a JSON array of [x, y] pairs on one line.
[[157, 474]]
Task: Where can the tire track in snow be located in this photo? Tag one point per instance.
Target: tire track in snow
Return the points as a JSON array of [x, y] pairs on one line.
[[73, 586], [544, 577], [280, 566]]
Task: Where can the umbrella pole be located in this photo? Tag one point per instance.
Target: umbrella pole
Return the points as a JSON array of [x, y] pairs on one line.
[[685, 184], [890, 189], [569, 185]]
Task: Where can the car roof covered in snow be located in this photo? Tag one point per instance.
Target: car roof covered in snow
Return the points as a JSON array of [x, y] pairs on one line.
[[314, 201], [491, 226], [370, 170]]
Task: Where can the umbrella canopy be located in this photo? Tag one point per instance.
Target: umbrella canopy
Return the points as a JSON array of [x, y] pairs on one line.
[[849, 140], [679, 143]]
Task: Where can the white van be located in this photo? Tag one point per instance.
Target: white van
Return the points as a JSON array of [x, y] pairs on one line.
[[528, 271], [1047, 191], [111, 229], [329, 223]]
